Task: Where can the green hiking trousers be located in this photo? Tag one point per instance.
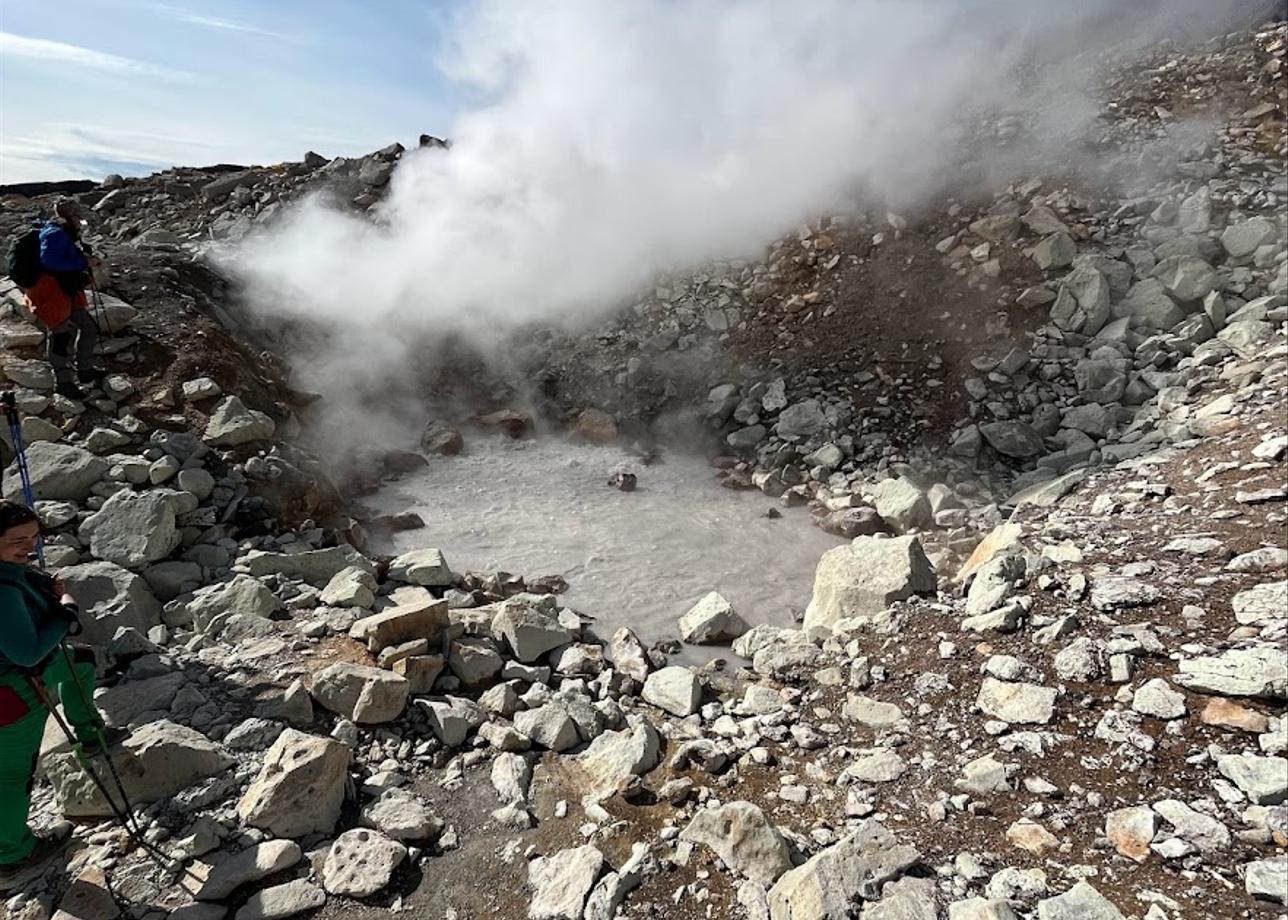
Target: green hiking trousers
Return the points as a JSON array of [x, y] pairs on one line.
[[22, 726]]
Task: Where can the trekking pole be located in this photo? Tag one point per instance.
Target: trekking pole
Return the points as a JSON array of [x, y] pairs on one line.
[[122, 814], [10, 407], [97, 300]]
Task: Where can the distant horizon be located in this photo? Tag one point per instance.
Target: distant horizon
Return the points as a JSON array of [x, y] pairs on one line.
[[134, 87]]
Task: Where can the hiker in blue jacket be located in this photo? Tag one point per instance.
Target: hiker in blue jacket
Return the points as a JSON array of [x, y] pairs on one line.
[[58, 299]]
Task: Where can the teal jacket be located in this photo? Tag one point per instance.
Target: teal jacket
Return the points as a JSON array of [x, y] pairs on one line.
[[32, 619]]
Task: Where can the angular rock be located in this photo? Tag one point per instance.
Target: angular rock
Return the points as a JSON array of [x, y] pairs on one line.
[[1013, 439], [402, 815], [1157, 698], [529, 632], [616, 756], [711, 621], [744, 839], [1260, 671], [561, 883], [428, 620], [674, 689], [1131, 830], [300, 788], [59, 472], [1264, 780], [1016, 702], [826, 887], [317, 567], [862, 580], [902, 505], [156, 761], [361, 862], [242, 595], [282, 901], [362, 694], [249, 865], [232, 424]]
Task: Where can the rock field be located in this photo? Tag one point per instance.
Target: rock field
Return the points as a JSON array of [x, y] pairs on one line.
[[1047, 679]]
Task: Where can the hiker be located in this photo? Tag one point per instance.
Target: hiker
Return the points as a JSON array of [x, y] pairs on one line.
[[58, 300], [36, 615]]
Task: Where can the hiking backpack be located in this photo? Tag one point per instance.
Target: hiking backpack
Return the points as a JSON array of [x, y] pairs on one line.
[[23, 266]]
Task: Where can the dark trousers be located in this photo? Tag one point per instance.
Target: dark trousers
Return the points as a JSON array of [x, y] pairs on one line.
[[79, 330]]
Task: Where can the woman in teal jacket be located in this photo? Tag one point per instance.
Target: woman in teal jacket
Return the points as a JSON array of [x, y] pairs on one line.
[[36, 615]]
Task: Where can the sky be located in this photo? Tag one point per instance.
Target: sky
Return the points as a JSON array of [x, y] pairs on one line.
[[92, 87]]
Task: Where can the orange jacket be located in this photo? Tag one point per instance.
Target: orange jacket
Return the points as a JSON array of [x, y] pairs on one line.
[[51, 304]]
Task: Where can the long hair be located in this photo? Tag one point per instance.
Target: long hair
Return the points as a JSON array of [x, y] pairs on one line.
[[15, 514]]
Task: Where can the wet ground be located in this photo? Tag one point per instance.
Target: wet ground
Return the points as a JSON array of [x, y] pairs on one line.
[[639, 559]]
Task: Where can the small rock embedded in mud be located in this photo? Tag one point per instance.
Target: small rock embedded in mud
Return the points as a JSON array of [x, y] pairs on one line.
[[773, 514], [624, 482]]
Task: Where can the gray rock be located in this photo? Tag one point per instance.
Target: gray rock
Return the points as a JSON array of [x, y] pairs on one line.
[[983, 776], [300, 788], [826, 886], [744, 840], [133, 529], [351, 587], [425, 567], [1267, 879], [674, 689], [154, 762], [452, 718], [1187, 278], [629, 656], [317, 567], [361, 862], [511, 777], [880, 766], [1246, 237], [402, 815], [800, 420], [365, 695], [1056, 251], [110, 597], [1261, 605], [549, 726], [282, 901], [232, 424], [241, 595], [1264, 780], [249, 865], [1016, 702], [1258, 671], [993, 581], [901, 504], [1206, 833], [530, 632], [1157, 698], [59, 472], [981, 909], [1081, 902], [1013, 439], [710, 621], [615, 756], [1115, 592], [905, 899], [1149, 307], [561, 883], [861, 581]]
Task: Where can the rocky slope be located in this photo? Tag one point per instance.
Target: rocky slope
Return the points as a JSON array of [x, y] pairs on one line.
[[1047, 678]]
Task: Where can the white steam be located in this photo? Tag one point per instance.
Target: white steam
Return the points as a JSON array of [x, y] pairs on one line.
[[618, 139]]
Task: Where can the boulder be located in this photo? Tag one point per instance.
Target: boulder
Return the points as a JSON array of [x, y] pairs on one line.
[[1013, 439], [424, 567], [674, 689], [1187, 278], [528, 631], [629, 656], [232, 424], [249, 865], [365, 695], [1081, 902], [240, 595], [282, 901], [1016, 702], [1246, 237], [156, 761], [361, 862], [300, 788], [902, 505], [442, 439], [616, 756], [744, 839], [827, 886], [860, 581], [1260, 671], [1264, 780], [402, 815], [549, 726], [802, 419], [428, 620], [59, 472], [110, 597], [561, 883], [317, 567], [350, 587], [711, 621], [133, 529]]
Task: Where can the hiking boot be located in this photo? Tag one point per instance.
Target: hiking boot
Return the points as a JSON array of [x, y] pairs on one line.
[[111, 738], [70, 390], [15, 875]]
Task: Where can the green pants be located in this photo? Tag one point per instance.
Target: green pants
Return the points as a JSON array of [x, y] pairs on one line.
[[22, 726]]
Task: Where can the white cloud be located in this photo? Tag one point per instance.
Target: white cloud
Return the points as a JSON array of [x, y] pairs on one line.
[[219, 23], [52, 52]]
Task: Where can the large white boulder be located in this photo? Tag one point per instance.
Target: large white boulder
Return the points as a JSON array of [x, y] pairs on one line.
[[363, 694], [300, 788], [232, 424], [860, 581], [133, 529], [60, 472]]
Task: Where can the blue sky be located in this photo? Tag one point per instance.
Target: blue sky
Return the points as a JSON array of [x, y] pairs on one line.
[[90, 87]]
